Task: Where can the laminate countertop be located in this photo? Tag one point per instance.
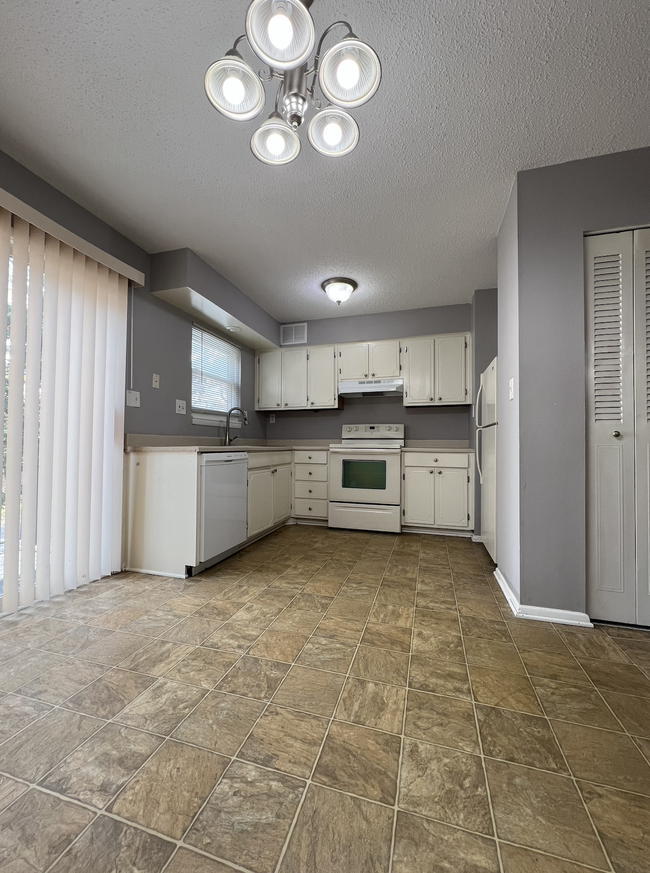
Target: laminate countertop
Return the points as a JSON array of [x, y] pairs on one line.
[[198, 449]]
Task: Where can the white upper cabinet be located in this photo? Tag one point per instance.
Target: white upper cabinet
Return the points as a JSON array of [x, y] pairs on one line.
[[294, 378], [383, 360], [269, 379], [436, 370], [321, 377], [353, 361]]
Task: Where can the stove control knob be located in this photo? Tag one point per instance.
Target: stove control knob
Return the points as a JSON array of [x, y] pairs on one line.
[[356, 428], [348, 429], [388, 427]]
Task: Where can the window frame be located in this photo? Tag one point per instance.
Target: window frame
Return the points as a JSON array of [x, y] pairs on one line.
[[213, 418]]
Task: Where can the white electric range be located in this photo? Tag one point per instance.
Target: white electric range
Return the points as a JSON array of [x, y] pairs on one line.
[[365, 478]]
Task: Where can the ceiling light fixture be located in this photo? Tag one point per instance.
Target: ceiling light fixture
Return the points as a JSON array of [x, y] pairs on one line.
[[339, 290], [282, 35]]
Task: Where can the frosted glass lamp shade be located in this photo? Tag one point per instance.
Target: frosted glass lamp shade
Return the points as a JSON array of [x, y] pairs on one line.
[[333, 132], [275, 142], [280, 32], [349, 73], [234, 89], [339, 290]]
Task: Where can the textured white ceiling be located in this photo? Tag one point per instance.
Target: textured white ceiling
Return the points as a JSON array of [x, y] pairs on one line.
[[105, 100]]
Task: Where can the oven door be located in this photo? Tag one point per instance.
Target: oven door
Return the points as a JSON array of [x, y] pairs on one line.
[[365, 476]]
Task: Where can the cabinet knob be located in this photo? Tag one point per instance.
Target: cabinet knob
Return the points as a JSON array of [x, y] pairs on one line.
[[439, 398], [286, 404], [365, 375], [310, 472], [430, 398], [435, 460], [309, 457], [309, 508], [372, 374], [277, 404], [431, 471], [310, 490], [616, 433], [312, 402], [439, 472]]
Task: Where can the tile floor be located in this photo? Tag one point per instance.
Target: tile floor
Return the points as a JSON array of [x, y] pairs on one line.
[[322, 702]]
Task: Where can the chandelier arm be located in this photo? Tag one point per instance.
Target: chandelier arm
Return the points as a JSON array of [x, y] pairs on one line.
[[326, 32], [277, 96]]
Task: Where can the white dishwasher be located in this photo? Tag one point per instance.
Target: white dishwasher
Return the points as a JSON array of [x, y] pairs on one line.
[[223, 482]]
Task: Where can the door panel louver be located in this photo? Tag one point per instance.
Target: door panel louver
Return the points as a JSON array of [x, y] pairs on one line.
[[608, 338], [646, 280]]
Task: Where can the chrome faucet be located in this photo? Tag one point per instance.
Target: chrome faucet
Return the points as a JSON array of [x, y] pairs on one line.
[[228, 414]]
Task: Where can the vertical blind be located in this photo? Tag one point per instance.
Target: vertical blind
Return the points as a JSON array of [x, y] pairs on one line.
[[216, 373], [64, 318]]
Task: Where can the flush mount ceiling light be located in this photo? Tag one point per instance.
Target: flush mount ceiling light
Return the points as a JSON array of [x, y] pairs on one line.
[[282, 35], [339, 290]]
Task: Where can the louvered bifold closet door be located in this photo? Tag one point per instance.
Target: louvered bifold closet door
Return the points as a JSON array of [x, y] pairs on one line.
[[642, 386], [611, 560]]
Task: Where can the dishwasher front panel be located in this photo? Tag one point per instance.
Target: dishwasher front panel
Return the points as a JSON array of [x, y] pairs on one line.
[[223, 506]]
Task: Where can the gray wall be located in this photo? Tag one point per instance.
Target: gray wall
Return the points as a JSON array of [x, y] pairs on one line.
[[484, 345], [420, 423], [508, 436], [556, 206]]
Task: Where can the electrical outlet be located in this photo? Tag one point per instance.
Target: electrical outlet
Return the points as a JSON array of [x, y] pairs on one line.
[[511, 389], [272, 418], [155, 382], [133, 398], [180, 407]]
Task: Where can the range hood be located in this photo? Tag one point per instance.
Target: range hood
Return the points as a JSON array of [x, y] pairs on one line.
[[371, 387]]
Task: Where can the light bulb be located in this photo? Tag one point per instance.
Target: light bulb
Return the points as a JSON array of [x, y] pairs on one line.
[[332, 133], [233, 90], [280, 30], [347, 73], [275, 143]]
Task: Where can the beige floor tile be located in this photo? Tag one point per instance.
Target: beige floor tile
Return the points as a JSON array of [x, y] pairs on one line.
[[542, 811], [10, 790], [441, 644], [76, 639], [254, 677], [381, 665], [326, 654], [551, 665], [622, 822], [156, 658], [498, 656], [430, 784], [633, 712], [298, 621], [619, 678], [518, 860], [537, 635], [312, 602], [340, 629], [520, 738], [336, 833], [7, 651], [112, 649], [577, 703], [360, 761], [36, 829], [17, 712], [383, 636], [186, 861], [310, 690], [603, 756], [109, 694], [110, 846], [100, 767], [171, 787], [191, 630], [248, 816], [62, 681], [25, 667], [279, 646], [162, 707], [507, 690], [285, 740], [230, 638], [485, 629], [422, 845], [218, 610], [40, 746], [445, 721], [596, 644], [119, 616], [203, 667], [439, 677], [372, 704], [220, 722], [152, 624]]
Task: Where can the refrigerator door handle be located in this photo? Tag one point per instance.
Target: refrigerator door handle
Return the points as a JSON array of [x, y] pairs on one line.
[[478, 403], [478, 456]]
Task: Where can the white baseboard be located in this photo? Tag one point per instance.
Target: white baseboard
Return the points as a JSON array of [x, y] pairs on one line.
[[539, 613], [477, 538]]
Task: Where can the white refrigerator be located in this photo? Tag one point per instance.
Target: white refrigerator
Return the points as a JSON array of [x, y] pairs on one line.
[[486, 455]]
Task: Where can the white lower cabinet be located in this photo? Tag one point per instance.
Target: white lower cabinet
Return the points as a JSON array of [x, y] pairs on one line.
[[438, 490], [269, 496], [310, 484]]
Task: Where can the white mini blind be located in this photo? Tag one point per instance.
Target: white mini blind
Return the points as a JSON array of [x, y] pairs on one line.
[[64, 319], [216, 373], [608, 338]]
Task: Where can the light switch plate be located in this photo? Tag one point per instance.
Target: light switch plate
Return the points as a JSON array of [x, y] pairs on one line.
[[272, 418], [133, 398], [155, 382], [511, 389], [180, 407]]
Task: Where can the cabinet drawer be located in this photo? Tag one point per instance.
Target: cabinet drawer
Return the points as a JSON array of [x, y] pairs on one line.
[[311, 457], [281, 458], [311, 472], [436, 459], [313, 508], [260, 459], [310, 490]]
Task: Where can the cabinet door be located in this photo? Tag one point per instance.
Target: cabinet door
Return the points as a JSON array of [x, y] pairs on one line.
[[451, 370], [260, 500], [269, 379], [294, 378], [281, 493], [451, 498], [321, 377], [353, 361], [418, 496], [418, 371], [383, 359]]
